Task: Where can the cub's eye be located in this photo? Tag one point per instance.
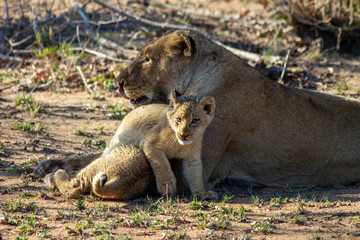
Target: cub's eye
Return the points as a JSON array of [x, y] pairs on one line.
[[147, 60], [178, 120], [195, 121]]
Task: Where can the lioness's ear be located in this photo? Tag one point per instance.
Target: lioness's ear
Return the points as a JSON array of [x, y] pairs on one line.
[[190, 45], [208, 104], [174, 96], [182, 44]]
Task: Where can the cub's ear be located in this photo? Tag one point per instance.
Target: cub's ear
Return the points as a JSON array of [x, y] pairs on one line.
[[208, 104], [174, 97], [181, 44]]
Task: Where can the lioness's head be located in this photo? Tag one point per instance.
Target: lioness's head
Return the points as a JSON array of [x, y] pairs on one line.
[[153, 73], [189, 116]]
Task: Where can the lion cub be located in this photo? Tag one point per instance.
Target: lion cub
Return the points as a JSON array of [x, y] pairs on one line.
[[179, 134], [156, 132]]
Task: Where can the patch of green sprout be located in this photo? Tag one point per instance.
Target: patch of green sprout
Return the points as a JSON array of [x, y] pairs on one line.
[[196, 205], [80, 132], [118, 111], [341, 87], [85, 140], [23, 99], [256, 201], [30, 226], [2, 147], [13, 206], [79, 204], [99, 142], [228, 197], [275, 202], [263, 227], [29, 126]]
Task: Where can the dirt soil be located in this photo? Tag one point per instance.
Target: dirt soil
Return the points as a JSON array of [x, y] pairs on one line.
[[70, 123]]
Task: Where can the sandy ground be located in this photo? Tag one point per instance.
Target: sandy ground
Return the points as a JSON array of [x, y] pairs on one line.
[[271, 213]]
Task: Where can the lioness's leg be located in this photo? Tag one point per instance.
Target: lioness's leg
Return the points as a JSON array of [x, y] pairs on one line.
[[69, 164]]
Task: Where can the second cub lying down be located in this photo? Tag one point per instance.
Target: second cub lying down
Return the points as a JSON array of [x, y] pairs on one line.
[[173, 131]]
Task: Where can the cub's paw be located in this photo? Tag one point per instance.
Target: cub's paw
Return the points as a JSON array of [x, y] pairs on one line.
[[100, 179], [205, 195], [61, 175], [166, 186], [49, 180]]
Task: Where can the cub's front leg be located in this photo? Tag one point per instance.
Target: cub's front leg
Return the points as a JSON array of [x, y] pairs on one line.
[[193, 173], [165, 179]]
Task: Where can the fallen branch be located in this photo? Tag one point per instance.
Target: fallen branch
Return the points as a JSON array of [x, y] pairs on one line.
[[152, 23], [9, 58], [249, 55], [107, 43], [186, 11], [63, 107], [241, 53], [102, 55], [85, 18], [5, 88], [129, 54], [7, 13]]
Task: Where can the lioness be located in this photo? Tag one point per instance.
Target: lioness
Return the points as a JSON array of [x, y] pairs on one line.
[[173, 131], [263, 132]]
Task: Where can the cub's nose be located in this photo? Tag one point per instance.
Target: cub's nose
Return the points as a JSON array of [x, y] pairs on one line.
[[183, 136]]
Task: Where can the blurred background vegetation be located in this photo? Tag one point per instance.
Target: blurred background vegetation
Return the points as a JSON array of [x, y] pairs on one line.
[[85, 44]]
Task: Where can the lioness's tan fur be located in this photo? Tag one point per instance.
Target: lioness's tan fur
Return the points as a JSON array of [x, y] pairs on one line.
[[263, 132], [161, 132]]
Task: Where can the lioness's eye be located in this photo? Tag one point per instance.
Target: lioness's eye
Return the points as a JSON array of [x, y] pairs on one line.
[[147, 60], [178, 120], [195, 121]]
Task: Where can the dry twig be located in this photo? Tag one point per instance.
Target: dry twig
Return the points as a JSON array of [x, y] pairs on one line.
[[285, 66], [88, 89]]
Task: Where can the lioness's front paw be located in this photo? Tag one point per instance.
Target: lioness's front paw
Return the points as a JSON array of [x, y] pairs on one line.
[[205, 195], [168, 186]]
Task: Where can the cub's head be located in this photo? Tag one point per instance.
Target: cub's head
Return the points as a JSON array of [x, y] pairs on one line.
[[189, 116], [153, 73]]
